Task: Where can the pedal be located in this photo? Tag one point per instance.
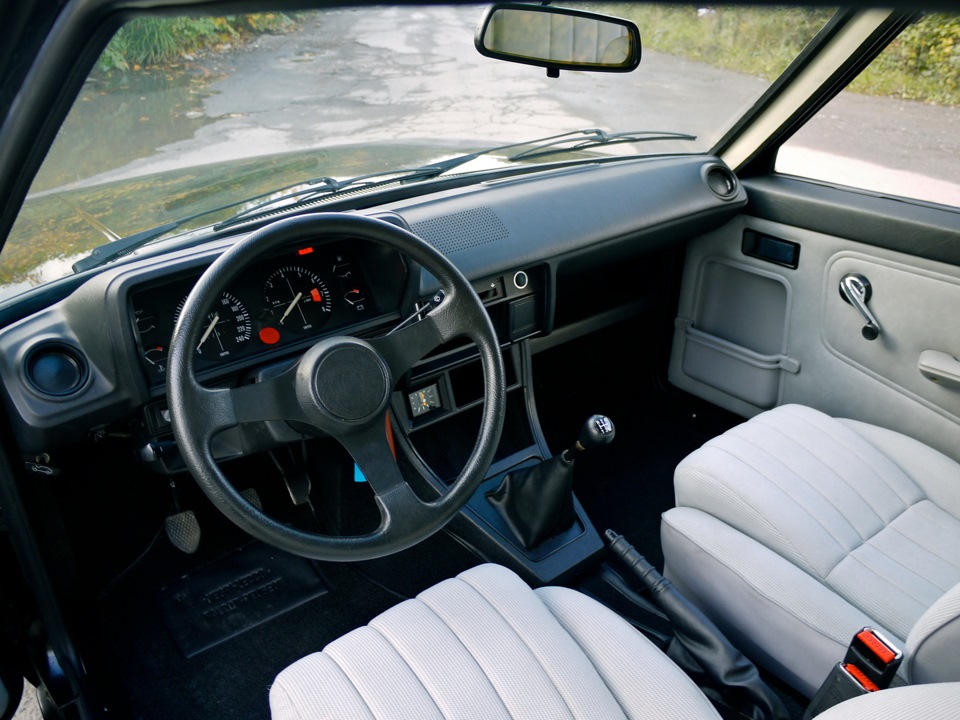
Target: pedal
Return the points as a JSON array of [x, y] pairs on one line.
[[252, 497], [183, 530]]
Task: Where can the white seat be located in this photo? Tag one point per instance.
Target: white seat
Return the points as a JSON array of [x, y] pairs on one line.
[[794, 530], [484, 646]]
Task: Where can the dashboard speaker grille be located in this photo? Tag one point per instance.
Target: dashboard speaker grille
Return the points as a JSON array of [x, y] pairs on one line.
[[462, 230]]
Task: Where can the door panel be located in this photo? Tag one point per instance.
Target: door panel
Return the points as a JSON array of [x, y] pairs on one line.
[[825, 361]]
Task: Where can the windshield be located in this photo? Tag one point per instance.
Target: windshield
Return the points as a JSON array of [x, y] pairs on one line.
[[184, 116]]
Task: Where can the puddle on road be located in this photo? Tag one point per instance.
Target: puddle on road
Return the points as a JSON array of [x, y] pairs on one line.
[[114, 114]]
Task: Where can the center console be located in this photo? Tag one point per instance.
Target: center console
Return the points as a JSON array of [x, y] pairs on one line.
[[438, 408]]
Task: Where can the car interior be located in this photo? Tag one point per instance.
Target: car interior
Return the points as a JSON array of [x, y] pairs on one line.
[[657, 437]]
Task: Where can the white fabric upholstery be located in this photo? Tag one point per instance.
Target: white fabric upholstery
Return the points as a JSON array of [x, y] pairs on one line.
[[917, 702], [778, 615], [869, 515], [933, 641], [484, 645]]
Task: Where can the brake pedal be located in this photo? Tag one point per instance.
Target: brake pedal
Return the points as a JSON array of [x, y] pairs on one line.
[[183, 530]]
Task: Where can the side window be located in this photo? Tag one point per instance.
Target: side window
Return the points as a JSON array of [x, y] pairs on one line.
[[896, 129]]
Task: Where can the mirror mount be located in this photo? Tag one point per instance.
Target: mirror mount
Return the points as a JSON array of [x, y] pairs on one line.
[[558, 38]]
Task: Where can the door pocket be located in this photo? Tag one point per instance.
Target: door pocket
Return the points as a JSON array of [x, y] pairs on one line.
[[736, 340]]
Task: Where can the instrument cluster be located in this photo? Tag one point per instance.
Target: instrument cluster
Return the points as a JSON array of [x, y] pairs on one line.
[[276, 303]]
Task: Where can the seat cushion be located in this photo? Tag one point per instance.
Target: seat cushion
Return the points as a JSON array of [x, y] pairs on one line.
[[870, 515], [920, 702], [484, 645]]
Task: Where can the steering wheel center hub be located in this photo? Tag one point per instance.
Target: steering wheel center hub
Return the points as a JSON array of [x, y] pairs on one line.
[[344, 381]]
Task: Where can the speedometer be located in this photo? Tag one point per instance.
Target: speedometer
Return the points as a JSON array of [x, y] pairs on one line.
[[227, 328]]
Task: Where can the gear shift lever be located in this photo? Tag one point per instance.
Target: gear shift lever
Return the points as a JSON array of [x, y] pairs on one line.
[[537, 501], [597, 430]]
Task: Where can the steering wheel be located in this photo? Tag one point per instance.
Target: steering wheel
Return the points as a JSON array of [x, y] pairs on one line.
[[340, 387]]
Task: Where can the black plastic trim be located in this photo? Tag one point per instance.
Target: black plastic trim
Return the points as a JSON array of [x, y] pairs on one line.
[[923, 230]]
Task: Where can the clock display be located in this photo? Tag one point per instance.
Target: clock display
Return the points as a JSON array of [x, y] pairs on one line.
[[424, 400]]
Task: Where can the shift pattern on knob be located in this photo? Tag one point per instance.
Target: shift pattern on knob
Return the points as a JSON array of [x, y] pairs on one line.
[[597, 430]]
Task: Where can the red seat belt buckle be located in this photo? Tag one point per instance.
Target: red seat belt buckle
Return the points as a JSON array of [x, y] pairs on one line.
[[862, 680], [874, 656], [869, 665]]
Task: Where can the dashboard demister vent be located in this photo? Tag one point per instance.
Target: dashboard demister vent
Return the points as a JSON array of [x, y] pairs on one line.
[[55, 369], [462, 230], [721, 181]]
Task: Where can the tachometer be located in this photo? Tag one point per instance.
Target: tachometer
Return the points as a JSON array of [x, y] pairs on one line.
[[298, 298], [227, 328]]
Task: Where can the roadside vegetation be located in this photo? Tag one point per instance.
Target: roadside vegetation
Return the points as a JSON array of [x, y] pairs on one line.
[[922, 64], [152, 41]]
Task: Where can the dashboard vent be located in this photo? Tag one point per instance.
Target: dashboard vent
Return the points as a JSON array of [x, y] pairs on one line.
[[56, 370], [462, 230], [721, 181]]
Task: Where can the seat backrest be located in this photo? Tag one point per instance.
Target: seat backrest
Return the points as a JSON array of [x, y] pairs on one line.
[[932, 654]]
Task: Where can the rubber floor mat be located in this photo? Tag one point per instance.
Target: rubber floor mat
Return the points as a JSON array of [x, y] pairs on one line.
[[235, 593]]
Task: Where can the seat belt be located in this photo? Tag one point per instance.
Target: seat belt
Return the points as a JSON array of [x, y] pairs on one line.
[[870, 664]]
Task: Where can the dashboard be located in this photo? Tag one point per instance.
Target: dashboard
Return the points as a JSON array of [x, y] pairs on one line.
[[548, 252]]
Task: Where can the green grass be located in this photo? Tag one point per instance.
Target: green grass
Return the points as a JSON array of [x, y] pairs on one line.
[[150, 41], [751, 40], [922, 64]]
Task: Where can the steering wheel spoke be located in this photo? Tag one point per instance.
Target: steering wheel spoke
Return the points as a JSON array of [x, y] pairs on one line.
[[373, 454], [404, 347], [271, 399], [402, 511]]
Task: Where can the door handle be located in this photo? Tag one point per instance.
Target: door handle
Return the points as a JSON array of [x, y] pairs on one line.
[[940, 367], [855, 289]]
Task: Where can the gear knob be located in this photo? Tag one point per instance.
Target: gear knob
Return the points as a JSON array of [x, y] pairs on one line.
[[597, 430]]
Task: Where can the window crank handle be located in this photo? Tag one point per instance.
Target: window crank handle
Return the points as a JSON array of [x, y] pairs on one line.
[[856, 290]]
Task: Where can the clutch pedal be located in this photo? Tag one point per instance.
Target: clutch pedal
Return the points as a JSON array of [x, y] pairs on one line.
[[183, 530]]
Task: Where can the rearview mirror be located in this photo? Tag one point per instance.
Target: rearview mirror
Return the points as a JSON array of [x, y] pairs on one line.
[[558, 38]]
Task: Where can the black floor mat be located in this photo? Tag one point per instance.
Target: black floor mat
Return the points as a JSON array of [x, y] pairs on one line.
[[232, 678], [235, 593]]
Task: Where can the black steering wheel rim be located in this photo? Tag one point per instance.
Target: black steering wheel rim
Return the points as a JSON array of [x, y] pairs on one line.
[[199, 413]]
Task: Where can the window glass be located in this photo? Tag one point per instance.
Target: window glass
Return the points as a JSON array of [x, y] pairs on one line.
[[896, 129], [186, 121]]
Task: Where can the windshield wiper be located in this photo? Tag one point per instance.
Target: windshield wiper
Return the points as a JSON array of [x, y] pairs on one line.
[[331, 186], [595, 137], [564, 142], [303, 192], [116, 249]]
